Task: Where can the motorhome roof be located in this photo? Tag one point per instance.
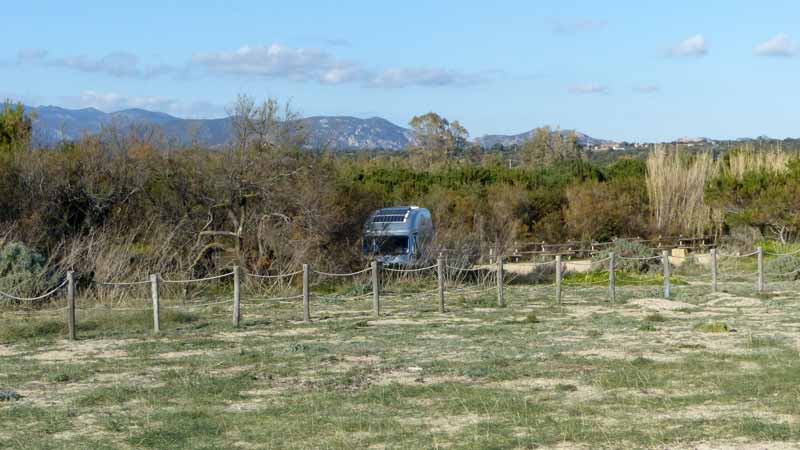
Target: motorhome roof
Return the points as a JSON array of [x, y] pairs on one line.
[[392, 215], [394, 220]]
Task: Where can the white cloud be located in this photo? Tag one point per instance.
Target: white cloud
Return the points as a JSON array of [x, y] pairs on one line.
[[695, 46], [275, 60], [270, 61], [589, 88], [404, 77], [302, 64], [779, 45], [111, 101], [646, 88], [118, 64]]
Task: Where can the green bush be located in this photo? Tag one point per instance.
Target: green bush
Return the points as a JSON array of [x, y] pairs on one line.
[[7, 396], [624, 248], [655, 317], [784, 265], [22, 270], [531, 318], [713, 327]]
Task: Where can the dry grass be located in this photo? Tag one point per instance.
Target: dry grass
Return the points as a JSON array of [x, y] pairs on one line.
[[675, 186], [746, 159], [584, 374]]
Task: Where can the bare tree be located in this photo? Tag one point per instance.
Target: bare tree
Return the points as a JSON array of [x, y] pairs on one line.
[[252, 179]]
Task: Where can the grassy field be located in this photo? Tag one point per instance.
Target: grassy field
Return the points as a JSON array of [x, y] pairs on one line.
[[701, 371]]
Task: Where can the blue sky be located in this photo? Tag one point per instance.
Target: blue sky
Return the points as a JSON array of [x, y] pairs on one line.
[[617, 70]]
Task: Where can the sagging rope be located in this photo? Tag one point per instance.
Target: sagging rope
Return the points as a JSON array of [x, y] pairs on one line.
[[327, 274], [281, 275], [737, 256], [33, 299], [639, 258], [783, 254], [389, 269], [216, 277], [122, 283]]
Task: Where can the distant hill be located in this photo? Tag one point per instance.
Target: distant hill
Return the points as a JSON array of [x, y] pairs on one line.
[[490, 140], [338, 132], [54, 124]]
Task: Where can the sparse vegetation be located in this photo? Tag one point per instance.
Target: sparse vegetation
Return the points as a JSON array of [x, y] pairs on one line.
[[713, 327], [122, 205], [411, 377], [655, 317]]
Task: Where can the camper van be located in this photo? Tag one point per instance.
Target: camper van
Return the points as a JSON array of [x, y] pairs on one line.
[[398, 236]]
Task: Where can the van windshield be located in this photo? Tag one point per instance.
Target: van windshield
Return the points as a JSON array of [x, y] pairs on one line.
[[386, 245]]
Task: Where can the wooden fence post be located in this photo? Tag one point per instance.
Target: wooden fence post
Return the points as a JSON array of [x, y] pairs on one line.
[[306, 299], [71, 304], [612, 278], [501, 300], [376, 287], [237, 312], [665, 263], [440, 273], [154, 295], [760, 283], [713, 270], [558, 279]]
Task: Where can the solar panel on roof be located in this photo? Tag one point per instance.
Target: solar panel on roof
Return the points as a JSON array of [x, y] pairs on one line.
[[393, 211], [389, 218]]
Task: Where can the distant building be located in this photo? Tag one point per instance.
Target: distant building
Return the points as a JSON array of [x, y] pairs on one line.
[[608, 146]]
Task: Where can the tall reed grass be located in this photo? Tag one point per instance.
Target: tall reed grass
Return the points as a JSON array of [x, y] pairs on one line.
[[675, 185], [746, 159]]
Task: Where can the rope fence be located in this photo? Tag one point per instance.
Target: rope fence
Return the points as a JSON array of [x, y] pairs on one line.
[[33, 299], [550, 275]]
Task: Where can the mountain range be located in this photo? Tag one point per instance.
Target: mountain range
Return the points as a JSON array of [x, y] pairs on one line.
[[491, 140], [53, 124]]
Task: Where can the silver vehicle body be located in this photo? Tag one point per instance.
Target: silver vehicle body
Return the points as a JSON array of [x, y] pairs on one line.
[[399, 236]]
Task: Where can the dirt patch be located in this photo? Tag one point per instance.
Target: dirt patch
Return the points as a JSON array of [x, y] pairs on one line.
[[362, 360], [733, 301], [439, 320], [186, 354], [237, 336], [46, 394], [749, 365], [416, 376], [532, 384], [84, 350], [85, 425], [578, 393], [713, 412], [249, 405], [768, 445], [623, 354], [448, 424], [437, 336], [7, 351], [660, 304], [296, 332]]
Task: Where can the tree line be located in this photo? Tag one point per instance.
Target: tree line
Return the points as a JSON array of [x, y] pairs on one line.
[[125, 199]]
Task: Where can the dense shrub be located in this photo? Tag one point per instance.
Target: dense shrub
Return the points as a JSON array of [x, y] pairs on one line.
[[22, 270], [787, 264], [602, 211], [624, 248]]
